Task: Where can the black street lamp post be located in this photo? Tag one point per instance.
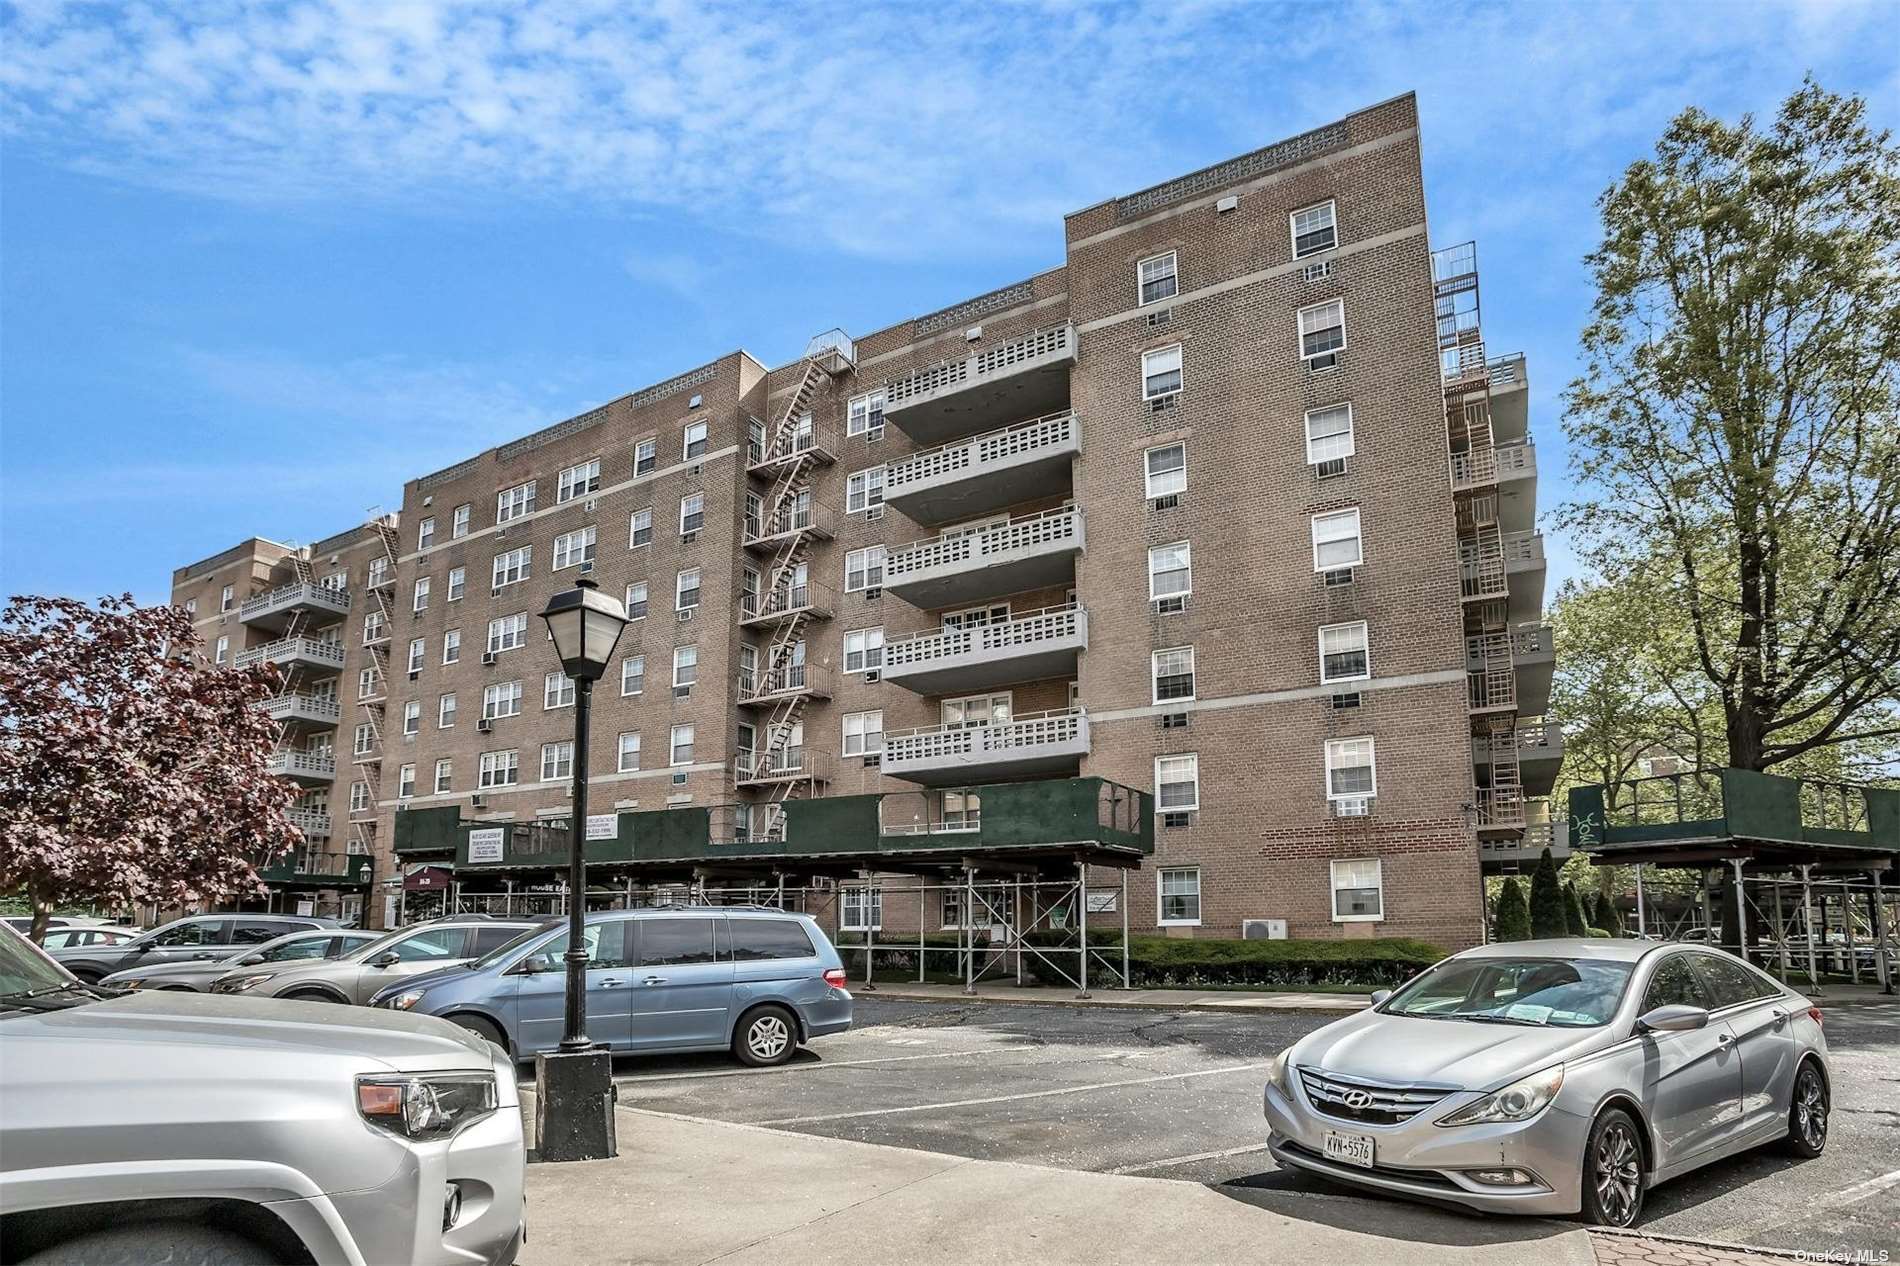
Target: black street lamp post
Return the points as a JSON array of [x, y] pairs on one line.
[[574, 1085]]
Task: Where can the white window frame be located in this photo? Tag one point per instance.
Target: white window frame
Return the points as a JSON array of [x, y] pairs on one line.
[[688, 439], [1336, 450], [864, 731], [637, 606], [508, 632], [1300, 331], [1334, 747], [425, 533], [1293, 228], [1179, 370], [697, 500], [459, 521], [571, 549], [223, 650], [1172, 275], [406, 782], [1357, 537], [227, 598], [1334, 887], [557, 760], [501, 699], [514, 503], [418, 653], [882, 556], [445, 710], [557, 691], [375, 628], [452, 646], [859, 494], [458, 583], [674, 745], [1161, 919], [623, 749], [1194, 780], [646, 452], [627, 664], [444, 776], [499, 769], [412, 717], [579, 480], [359, 798], [1155, 487], [640, 528], [363, 741], [512, 566], [685, 665], [366, 682], [862, 908], [860, 411], [1365, 648], [865, 649], [1185, 590], [1154, 676], [681, 589]]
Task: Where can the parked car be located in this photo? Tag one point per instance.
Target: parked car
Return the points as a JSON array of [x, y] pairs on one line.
[[158, 1126], [200, 937], [1554, 1077], [74, 937], [194, 976], [755, 981], [390, 958]]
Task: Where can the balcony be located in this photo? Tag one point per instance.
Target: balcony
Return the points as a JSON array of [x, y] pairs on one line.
[[1035, 745], [1027, 647], [303, 711], [1534, 661], [1512, 470], [792, 446], [1524, 567], [1510, 398], [787, 602], [1537, 746], [1026, 377], [295, 652], [311, 768], [986, 473], [274, 611], [1521, 852], [786, 764], [812, 522], [1036, 551], [307, 868], [790, 681], [314, 825], [1511, 671], [1686, 817]]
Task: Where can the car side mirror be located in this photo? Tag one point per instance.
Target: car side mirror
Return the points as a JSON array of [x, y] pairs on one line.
[[1677, 1017], [533, 965], [249, 960], [1380, 995], [388, 958]]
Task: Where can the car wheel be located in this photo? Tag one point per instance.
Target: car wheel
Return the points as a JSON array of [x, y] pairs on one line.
[[312, 995], [765, 1037], [1807, 1114], [175, 1243], [1613, 1180], [481, 1028]]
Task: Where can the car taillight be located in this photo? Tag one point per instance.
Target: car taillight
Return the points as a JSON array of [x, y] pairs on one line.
[[1814, 1014], [834, 976]]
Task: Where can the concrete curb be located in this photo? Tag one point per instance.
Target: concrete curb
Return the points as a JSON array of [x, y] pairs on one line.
[[1347, 1003], [1725, 1246]]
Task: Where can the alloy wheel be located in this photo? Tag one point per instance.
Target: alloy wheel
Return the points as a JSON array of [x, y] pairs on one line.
[[767, 1037], [1810, 1108], [1616, 1172]]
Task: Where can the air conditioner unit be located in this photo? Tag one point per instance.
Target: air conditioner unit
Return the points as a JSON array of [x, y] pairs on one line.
[[682, 692], [1230, 203], [1169, 502], [687, 538], [587, 567], [591, 504], [873, 675], [1352, 807], [875, 591], [488, 657], [484, 726], [1263, 929], [972, 334], [1317, 272], [873, 514], [694, 403], [684, 616], [478, 802], [415, 676]]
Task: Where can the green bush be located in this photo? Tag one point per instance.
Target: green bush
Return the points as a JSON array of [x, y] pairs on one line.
[[1605, 915], [1547, 901], [1514, 915], [1604, 933], [1575, 921]]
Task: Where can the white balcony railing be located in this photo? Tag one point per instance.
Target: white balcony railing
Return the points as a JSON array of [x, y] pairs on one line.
[[1020, 737], [809, 598], [785, 681], [779, 765], [300, 595], [1027, 632], [1062, 527], [292, 650], [313, 824], [303, 765], [1022, 352], [302, 707], [971, 457]]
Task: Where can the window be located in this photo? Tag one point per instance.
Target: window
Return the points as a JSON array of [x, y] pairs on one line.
[[375, 628], [1358, 891], [418, 650], [686, 590], [682, 745], [1170, 571], [757, 939], [864, 568], [628, 758], [1730, 982], [224, 649], [1155, 275], [694, 441], [359, 797], [754, 442], [1173, 674], [958, 714], [864, 490], [405, 782], [864, 733], [646, 455], [458, 583], [557, 691], [1160, 372], [1329, 434], [226, 598], [1313, 230], [1166, 472], [1178, 895], [445, 712], [633, 674], [961, 810], [1322, 332], [425, 533], [571, 549], [512, 503], [578, 481], [685, 666], [692, 512], [452, 646], [637, 600], [863, 909], [508, 633], [458, 523], [864, 650], [444, 777], [1349, 769], [1336, 541], [412, 717], [557, 760], [1676, 984], [191, 606], [364, 740], [503, 699], [366, 683], [1177, 783], [865, 415], [378, 572], [500, 769], [1342, 653], [640, 528], [754, 516], [512, 566]]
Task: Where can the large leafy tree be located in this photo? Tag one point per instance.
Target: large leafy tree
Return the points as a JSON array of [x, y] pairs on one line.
[[130, 768], [1736, 419]]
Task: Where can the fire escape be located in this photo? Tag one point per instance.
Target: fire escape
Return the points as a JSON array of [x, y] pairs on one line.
[[368, 759]]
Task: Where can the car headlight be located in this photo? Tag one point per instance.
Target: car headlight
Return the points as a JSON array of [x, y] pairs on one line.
[[1519, 1101], [401, 1001], [1277, 1073], [246, 982], [427, 1105], [132, 982]]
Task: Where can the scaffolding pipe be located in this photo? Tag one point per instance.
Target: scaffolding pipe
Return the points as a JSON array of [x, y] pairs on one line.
[[1847, 928], [871, 919], [1642, 922], [1017, 930], [969, 930], [1881, 963], [1781, 933], [1082, 921], [1807, 918], [1741, 910], [1127, 980], [922, 889]]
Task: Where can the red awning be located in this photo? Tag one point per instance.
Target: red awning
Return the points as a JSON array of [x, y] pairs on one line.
[[427, 879]]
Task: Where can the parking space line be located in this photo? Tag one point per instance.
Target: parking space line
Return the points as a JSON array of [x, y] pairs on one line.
[[1171, 1161], [1858, 1191], [1028, 1094], [637, 1079]]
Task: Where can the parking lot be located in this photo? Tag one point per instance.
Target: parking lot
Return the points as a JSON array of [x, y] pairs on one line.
[[1176, 1095]]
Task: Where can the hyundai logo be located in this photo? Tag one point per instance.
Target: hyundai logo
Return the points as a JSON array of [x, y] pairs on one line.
[[1357, 1100]]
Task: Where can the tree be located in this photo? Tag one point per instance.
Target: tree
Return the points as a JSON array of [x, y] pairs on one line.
[[1547, 901], [1606, 916], [130, 768], [1575, 924], [1736, 418], [1514, 916]]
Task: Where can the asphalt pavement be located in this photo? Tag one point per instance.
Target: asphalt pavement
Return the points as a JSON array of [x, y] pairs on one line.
[[1176, 1095]]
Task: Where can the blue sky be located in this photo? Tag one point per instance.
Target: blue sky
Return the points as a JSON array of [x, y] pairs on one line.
[[259, 263]]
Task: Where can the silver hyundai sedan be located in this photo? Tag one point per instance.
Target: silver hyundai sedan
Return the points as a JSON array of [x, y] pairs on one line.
[[1554, 1077]]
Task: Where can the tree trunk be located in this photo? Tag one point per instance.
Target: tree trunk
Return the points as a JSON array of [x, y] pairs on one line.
[[42, 914]]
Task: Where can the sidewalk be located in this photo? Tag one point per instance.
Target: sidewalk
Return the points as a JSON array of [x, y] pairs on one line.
[[1151, 999]]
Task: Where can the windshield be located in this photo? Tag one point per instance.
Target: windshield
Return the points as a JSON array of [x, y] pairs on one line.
[[29, 983], [511, 945], [376, 946], [1569, 993]]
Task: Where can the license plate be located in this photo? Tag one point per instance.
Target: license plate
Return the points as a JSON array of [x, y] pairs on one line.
[[1352, 1149]]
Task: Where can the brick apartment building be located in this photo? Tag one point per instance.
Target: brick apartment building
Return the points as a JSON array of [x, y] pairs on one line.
[[1232, 505]]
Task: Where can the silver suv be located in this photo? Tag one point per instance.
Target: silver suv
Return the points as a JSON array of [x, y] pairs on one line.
[[360, 974], [195, 938], [160, 1126]]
